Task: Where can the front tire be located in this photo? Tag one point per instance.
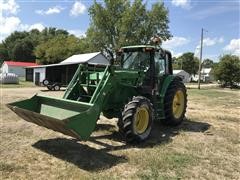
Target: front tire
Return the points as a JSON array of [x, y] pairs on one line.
[[175, 103], [137, 118]]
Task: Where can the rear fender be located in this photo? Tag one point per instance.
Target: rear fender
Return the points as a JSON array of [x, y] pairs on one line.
[[162, 92]]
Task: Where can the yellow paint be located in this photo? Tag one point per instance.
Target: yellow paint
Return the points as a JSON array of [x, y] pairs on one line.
[[178, 104], [141, 120]]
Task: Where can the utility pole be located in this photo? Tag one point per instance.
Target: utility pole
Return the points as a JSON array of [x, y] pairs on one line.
[[200, 60], [181, 64]]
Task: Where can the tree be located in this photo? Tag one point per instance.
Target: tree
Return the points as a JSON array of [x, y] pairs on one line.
[[176, 64], [117, 23], [188, 63], [20, 45], [11, 41], [228, 70], [207, 63], [23, 51], [3, 54], [59, 48], [51, 32]]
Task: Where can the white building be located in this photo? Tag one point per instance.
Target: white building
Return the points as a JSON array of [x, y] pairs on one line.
[[183, 75], [17, 68], [206, 75], [64, 71]]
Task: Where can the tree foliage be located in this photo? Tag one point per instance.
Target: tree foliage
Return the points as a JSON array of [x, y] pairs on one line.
[[23, 50], [228, 70], [3, 53], [207, 63], [20, 45], [117, 23], [187, 62], [59, 48]]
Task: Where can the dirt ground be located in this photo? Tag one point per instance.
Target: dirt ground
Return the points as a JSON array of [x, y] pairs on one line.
[[205, 146]]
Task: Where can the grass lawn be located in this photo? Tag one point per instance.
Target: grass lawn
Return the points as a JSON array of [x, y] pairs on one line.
[[205, 146]]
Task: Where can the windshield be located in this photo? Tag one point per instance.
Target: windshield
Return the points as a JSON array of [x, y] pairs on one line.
[[136, 60]]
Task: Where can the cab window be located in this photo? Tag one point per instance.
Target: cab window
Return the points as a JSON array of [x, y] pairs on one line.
[[159, 64]]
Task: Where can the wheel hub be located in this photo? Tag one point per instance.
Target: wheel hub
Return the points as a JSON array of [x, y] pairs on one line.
[[178, 104], [141, 120]]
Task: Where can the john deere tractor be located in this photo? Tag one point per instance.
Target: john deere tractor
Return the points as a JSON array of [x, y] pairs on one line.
[[138, 87]]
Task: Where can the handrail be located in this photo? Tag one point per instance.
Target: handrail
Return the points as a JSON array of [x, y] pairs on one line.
[[102, 93], [72, 83], [96, 92]]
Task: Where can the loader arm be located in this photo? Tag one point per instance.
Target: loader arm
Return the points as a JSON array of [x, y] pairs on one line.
[[69, 115]]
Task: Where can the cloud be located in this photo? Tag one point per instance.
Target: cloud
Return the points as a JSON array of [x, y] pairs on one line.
[[77, 32], [78, 8], [51, 10], [27, 27], [208, 42], [38, 26], [177, 54], [8, 7], [185, 4], [233, 47], [9, 24], [175, 42]]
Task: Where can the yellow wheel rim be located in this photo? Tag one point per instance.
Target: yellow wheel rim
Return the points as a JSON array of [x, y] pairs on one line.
[[141, 120], [178, 104]]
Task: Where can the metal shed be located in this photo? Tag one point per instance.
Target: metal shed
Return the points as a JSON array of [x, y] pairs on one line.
[[63, 72], [183, 75]]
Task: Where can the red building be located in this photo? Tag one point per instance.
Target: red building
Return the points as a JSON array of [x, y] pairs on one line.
[[18, 68]]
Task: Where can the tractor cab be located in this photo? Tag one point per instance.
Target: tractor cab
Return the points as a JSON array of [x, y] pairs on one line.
[[154, 62], [145, 58]]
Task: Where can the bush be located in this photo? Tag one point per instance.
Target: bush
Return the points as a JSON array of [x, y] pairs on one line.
[[228, 71]]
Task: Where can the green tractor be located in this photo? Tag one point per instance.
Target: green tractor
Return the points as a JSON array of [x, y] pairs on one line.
[[138, 87]]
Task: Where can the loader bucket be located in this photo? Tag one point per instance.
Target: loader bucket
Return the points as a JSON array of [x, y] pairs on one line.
[[72, 118]]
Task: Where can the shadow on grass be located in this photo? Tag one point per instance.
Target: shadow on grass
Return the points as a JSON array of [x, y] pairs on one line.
[[92, 159], [160, 134], [83, 156]]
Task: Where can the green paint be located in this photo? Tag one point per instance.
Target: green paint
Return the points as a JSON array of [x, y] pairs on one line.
[[162, 92]]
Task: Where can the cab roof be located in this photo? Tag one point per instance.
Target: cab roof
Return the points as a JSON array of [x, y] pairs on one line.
[[145, 46], [139, 46]]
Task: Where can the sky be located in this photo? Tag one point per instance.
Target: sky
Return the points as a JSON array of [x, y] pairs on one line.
[[219, 19]]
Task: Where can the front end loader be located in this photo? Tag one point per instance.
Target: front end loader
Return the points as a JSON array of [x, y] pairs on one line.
[[137, 88]]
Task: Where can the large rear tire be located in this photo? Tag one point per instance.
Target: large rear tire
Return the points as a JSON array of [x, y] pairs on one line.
[[175, 103], [136, 120]]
